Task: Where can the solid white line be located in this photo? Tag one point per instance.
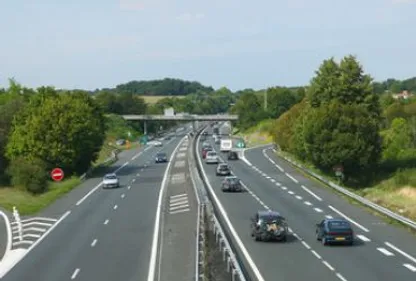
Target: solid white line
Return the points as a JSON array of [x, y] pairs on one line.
[[94, 242], [106, 221], [35, 219], [385, 251], [316, 254], [22, 242], [89, 193], [74, 275], [292, 178], [278, 184], [224, 214], [179, 207], [179, 211], [154, 248], [328, 265], [308, 203], [28, 235], [348, 218], [33, 223], [9, 233], [38, 229], [179, 195], [115, 207], [410, 267], [363, 238], [280, 168], [318, 210], [341, 277], [272, 180], [400, 252], [311, 193]]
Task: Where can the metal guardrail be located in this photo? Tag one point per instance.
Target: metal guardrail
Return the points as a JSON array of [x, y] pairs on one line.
[[360, 199], [223, 239]]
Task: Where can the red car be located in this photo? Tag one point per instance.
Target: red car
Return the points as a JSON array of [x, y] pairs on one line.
[[204, 151]]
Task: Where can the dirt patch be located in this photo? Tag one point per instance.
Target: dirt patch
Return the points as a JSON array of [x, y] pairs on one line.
[[408, 191]]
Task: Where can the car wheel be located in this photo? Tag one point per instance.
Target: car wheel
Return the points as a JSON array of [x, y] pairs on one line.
[[323, 240], [284, 238], [317, 236]]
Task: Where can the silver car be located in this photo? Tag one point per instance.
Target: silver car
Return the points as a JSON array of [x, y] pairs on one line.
[[111, 181], [211, 158]]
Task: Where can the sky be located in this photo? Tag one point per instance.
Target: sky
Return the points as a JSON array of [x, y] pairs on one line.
[[239, 44]]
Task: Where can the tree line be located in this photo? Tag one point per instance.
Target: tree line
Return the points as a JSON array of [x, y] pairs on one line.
[[340, 120], [163, 87]]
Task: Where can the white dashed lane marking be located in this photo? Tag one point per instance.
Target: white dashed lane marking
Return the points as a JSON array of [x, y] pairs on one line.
[[318, 210], [290, 192], [385, 252], [75, 274], [329, 217], [298, 197], [404, 254], [178, 204], [106, 221], [363, 238], [308, 203], [410, 267], [311, 193], [115, 207], [94, 243]]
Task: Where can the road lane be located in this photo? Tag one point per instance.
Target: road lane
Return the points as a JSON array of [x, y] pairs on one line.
[[276, 261], [178, 223], [382, 235], [65, 248]]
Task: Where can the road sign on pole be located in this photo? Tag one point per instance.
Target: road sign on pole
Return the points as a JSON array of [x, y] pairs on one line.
[[57, 174], [240, 144]]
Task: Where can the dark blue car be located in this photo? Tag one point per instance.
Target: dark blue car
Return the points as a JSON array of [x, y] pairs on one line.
[[161, 157], [335, 231]]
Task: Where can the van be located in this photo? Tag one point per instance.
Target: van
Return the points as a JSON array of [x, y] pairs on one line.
[[226, 145]]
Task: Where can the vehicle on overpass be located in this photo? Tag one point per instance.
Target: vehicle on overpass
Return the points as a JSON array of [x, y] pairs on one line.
[[226, 145], [223, 170], [161, 157], [231, 183], [334, 231], [111, 181], [269, 226], [211, 157], [232, 155]]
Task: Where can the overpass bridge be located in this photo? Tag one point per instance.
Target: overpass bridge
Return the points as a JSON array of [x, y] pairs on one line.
[[184, 117], [188, 117]]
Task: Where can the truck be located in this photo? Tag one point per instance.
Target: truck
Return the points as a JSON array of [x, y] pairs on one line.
[[226, 145]]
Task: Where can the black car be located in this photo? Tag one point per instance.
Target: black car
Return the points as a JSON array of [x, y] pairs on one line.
[[331, 231], [161, 157], [269, 225], [223, 170], [232, 155], [231, 183]]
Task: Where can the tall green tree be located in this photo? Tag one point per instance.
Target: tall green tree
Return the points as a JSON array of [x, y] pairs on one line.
[[249, 110], [65, 130]]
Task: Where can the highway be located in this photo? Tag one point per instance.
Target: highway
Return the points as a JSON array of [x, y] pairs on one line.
[[381, 252], [104, 234]]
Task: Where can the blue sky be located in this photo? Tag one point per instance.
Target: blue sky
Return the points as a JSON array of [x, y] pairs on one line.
[[235, 43]]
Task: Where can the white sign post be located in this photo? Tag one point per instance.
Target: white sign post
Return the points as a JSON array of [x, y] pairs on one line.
[[18, 222]]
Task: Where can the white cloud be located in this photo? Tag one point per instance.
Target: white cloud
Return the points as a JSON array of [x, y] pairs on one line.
[[190, 17], [131, 5]]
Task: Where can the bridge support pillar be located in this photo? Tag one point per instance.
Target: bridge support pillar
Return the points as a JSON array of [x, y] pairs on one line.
[[144, 127]]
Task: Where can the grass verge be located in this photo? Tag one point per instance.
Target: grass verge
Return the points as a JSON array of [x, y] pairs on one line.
[[258, 135]]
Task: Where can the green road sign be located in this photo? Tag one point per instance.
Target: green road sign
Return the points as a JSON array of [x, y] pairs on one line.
[[143, 139], [240, 144]]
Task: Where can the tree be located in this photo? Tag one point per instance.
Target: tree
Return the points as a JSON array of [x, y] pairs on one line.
[[398, 139], [284, 130], [249, 110], [279, 100], [65, 130], [29, 174], [341, 134]]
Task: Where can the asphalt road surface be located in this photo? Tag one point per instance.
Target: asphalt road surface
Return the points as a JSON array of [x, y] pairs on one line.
[[381, 252], [177, 256], [106, 234]]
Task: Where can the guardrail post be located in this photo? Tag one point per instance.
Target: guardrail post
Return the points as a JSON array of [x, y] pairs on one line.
[[233, 274], [18, 222]]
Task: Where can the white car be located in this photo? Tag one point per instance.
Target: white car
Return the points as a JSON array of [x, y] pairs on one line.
[[111, 180], [211, 158], [155, 143]]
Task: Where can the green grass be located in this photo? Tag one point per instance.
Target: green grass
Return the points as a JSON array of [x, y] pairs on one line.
[[258, 135], [28, 204], [155, 99]]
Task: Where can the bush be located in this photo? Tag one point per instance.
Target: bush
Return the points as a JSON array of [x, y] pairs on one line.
[[28, 174]]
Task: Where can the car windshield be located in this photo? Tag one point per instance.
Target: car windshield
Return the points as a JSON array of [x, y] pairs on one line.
[[161, 154], [342, 225], [271, 219], [233, 180], [223, 167], [212, 153], [110, 177]]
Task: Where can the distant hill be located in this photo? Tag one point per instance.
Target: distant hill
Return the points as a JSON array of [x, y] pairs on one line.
[[395, 86], [162, 87]]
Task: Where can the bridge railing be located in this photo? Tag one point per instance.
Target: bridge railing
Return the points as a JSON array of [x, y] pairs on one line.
[[191, 117]]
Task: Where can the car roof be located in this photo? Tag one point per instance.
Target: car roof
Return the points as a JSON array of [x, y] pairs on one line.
[[268, 213], [110, 175], [231, 177], [337, 220]]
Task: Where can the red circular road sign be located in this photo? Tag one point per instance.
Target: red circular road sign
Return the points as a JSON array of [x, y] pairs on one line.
[[57, 174]]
